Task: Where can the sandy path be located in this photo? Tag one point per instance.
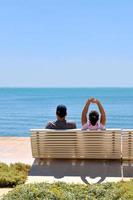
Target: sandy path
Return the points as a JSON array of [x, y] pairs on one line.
[[15, 149]]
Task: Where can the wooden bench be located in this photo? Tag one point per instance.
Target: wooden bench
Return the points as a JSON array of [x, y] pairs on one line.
[[76, 144], [127, 144]]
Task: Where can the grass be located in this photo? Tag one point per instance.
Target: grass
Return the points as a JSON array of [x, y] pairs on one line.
[[13, 174]]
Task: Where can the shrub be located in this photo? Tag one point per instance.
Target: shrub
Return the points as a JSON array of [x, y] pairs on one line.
[[14, 174], [63, 191], [45, 191]]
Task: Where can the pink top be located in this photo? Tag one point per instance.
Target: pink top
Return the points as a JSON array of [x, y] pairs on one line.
[[96, 127]]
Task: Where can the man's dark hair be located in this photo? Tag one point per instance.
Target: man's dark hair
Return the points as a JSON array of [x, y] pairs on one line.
[[93, 117], [61, 111]]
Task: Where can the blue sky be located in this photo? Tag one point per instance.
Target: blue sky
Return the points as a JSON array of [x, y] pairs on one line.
[[66, 43]]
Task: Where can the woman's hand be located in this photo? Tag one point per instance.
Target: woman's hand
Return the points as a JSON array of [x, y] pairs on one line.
[[96, 101], [91, 100]]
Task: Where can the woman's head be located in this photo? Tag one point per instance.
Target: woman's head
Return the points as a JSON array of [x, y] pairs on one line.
[[93, 117]]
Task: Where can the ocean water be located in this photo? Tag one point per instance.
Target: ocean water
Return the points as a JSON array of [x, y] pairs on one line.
[[24, 108]]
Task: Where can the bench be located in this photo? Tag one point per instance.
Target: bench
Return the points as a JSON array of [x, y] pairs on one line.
[[78, 144], [127, 144]]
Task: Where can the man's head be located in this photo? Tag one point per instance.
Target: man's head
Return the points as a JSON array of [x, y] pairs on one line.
[[61, 111], [93, 117]]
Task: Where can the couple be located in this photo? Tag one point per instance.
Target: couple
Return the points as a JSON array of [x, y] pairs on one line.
[[93, 123]]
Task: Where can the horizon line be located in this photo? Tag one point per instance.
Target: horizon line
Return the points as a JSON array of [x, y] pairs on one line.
[[57, 87]]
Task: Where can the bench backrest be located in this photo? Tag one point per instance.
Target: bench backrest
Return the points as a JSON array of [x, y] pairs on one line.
[[76, 144], [127, 144]]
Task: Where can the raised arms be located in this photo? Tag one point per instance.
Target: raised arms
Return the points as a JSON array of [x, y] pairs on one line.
[[86, 108]]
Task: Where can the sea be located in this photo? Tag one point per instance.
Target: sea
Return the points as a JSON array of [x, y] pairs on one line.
[[22, 109]]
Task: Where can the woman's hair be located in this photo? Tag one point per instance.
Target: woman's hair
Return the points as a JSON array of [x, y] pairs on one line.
[[93, 117]]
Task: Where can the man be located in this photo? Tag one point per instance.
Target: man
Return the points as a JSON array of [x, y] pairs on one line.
[[61, 123]]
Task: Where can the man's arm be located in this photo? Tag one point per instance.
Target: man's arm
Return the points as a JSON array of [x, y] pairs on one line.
[[85, 111], [50, 125], [75, 126]]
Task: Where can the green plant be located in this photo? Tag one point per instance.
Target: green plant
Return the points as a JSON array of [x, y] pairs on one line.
[[63, 191], [45, 191], [14, 174]]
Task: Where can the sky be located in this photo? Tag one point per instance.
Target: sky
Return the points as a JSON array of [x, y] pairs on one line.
[[66, 43]]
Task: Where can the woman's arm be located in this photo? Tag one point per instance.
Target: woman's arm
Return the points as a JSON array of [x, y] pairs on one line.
[[102, 112], [85, 111]]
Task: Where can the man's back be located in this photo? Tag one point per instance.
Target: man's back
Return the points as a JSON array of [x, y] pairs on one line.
[[61, 124]]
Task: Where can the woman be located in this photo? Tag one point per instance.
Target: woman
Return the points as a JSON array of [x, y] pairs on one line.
[[93, 123]]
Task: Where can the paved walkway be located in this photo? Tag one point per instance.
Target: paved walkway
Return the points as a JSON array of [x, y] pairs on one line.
[[4, 191], [79, 171]]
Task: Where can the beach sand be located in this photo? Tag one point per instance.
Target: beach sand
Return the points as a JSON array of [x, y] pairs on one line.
[[15, 149]]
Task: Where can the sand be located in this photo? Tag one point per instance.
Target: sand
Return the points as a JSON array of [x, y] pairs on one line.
[[15, 149]]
